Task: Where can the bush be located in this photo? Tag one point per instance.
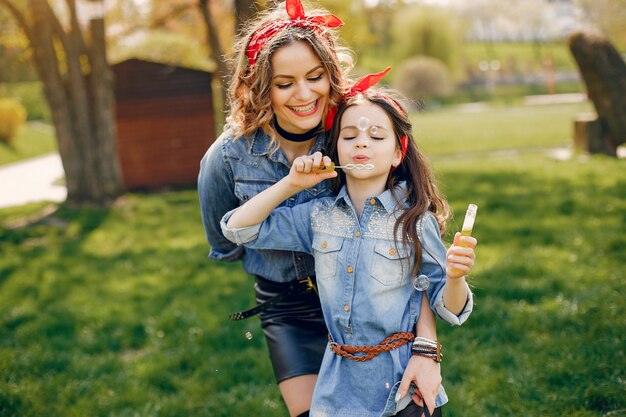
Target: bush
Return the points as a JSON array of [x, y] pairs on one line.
[[12, 116], [31, 96], [423, 78]]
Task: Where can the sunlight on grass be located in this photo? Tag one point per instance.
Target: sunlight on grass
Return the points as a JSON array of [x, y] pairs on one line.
[[452, 131]]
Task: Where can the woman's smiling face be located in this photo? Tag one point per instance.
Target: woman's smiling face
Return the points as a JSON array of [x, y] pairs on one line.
[[300, 87]]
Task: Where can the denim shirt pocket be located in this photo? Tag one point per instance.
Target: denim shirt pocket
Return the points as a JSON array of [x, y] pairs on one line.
[[245, 189], [326, 251], [391, 262]]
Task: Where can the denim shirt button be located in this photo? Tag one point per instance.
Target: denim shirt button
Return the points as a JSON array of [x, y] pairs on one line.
[[350, 269], [346, 308], [392, 251], [357, 233], [373, 201]]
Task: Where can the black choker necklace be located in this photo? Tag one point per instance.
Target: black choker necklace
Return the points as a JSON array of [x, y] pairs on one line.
[[297, 137]]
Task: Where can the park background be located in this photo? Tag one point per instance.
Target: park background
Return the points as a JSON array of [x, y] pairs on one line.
[[112, 308]]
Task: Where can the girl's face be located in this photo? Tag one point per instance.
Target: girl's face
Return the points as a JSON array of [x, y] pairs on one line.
[[300, 87], [366, 136]]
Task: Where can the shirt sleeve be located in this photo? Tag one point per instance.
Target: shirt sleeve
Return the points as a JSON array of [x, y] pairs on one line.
[[216, 179], [286, 228], [433, 265]]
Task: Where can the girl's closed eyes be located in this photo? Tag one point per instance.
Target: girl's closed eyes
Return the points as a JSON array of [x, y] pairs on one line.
[[374, 132]]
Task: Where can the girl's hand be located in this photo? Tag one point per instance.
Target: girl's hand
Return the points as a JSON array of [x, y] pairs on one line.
[[426, 374], [460, 257], [301, 177]]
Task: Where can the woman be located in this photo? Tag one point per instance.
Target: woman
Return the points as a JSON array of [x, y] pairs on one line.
[[287, 76]]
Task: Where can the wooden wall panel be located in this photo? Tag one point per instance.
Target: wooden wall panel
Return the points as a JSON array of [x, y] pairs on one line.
[[165, 123]]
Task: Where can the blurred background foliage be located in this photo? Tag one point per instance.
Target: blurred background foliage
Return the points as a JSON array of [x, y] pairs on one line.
[[479, 51]]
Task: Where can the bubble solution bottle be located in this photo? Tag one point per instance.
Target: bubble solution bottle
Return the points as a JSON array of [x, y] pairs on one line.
[[468, 225], [468, 222]]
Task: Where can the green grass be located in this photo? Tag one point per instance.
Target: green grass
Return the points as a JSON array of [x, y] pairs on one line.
[[33, 139], [452, 131], [118, 312], [546, 335]]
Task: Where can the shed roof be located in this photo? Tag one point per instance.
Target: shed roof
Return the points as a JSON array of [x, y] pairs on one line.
[[141, 79]]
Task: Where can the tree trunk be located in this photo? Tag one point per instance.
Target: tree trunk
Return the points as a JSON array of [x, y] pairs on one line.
[[77, 84], [604, 72], [217, 54], [103, 115], [245, 10]]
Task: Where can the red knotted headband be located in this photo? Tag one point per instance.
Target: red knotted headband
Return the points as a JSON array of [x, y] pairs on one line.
[[360, 86], [295, 10]]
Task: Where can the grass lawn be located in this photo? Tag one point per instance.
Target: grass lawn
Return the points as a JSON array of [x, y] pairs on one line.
[[458, 129], [33, 139], [118, 312]]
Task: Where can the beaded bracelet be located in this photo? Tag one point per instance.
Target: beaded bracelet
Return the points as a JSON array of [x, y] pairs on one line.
[[428, 348]]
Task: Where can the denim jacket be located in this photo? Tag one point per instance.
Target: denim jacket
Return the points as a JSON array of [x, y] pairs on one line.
[[231, 172], [365, 287]]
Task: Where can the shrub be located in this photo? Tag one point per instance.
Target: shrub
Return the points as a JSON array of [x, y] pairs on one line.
[[31, 96], [423, 78], [12, 116]]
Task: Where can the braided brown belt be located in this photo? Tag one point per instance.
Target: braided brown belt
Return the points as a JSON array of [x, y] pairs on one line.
[[393, 341]]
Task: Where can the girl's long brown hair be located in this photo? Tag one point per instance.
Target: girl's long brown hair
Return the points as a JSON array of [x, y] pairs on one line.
[[422, 192]]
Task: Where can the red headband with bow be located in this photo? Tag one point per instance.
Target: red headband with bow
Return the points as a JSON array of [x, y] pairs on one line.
[[360, 86], [295, 10]]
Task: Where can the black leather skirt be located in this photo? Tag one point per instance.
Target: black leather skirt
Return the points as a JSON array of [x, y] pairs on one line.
[[294, 329]]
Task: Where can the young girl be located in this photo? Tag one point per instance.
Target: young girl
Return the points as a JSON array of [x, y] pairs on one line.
[[288, 72], [381, 230]]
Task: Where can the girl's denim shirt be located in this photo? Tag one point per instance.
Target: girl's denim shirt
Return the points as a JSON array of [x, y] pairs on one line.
[[365, 287], [231, 172]]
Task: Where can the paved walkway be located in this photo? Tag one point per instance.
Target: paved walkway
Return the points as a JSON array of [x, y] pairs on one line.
[[32, 180]]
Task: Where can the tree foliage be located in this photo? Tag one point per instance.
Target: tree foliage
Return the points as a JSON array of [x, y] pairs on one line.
[[609, 16], [427, 31], [164, 47]]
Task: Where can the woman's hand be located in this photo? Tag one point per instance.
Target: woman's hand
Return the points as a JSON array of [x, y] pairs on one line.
[[460, 257], [301, 175], [426, 374]]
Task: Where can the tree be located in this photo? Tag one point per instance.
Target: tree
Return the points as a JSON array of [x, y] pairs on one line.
[[78, 85], [604, 72], [244, 10]]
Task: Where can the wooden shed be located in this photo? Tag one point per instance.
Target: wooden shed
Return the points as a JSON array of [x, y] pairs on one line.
[[164, 122]]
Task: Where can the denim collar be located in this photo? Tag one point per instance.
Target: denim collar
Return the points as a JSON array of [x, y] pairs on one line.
[[261, 145], [386, 198]]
